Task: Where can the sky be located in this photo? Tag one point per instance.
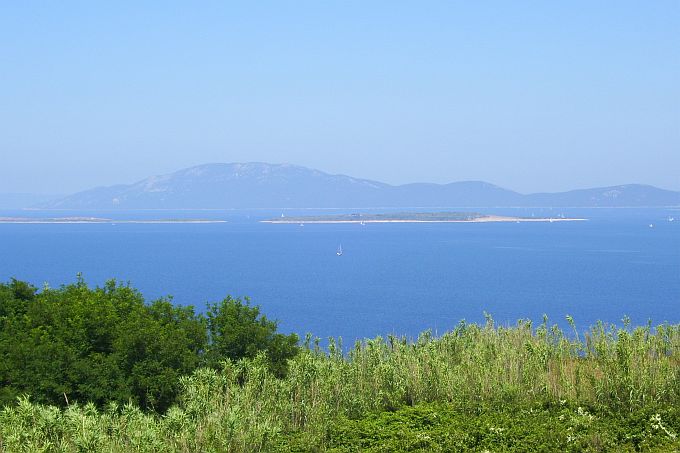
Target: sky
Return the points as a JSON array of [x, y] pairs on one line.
[[530, 95]]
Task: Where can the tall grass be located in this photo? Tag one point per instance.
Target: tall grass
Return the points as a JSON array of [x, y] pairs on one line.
[[245, 408]]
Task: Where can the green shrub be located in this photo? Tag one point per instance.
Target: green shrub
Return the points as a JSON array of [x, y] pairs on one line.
[[106, 344]]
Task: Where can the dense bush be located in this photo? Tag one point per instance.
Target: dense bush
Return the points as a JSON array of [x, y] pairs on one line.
[[551, 428], [106, 344]]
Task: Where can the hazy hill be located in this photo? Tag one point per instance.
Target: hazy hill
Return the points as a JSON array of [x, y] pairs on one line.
[[617, 196], [22, 200], [261, 185]]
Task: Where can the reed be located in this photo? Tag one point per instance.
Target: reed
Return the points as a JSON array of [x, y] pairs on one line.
[[245, 408]]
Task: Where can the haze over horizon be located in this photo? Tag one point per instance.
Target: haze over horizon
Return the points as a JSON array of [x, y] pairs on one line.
[[275, 164], [539, 98]]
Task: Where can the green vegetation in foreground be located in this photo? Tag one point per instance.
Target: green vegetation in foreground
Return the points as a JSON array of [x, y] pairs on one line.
[[397, 216], [476, 388], [77, 344], [437, 427]]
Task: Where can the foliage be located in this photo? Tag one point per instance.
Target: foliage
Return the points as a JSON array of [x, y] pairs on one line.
[[238, 330], [478, 387], [445, 428], [106, 344]]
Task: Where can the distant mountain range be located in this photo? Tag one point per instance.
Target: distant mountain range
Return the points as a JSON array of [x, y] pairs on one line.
[[23, 200], [261, 185]]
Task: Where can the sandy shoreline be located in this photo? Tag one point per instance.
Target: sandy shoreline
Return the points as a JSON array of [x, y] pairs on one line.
[[486, 219]]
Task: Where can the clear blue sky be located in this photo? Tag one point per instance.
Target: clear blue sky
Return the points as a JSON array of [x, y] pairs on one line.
[[533, 96]]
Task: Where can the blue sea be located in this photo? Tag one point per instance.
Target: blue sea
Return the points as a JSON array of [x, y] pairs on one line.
[[391, 279]]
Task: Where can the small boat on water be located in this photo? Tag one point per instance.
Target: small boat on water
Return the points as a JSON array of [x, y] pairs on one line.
[[339, 251]]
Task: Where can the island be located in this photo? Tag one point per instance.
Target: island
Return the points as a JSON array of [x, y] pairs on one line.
[[416, 217], [99, 220]]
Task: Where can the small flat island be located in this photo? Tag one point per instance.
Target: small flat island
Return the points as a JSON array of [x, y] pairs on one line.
[[416, 217], [99, 220]]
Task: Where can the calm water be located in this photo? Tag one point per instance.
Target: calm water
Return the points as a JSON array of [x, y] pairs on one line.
[[397, 278]]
